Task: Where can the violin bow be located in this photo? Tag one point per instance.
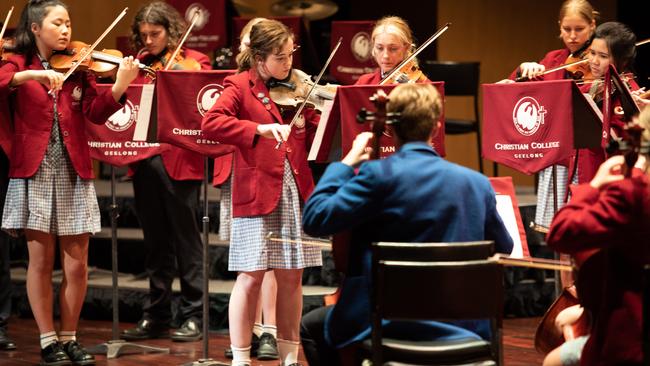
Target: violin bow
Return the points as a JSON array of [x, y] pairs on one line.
[[311, 90], [195, 18], [4, 25], [415, 53], [90, 50]]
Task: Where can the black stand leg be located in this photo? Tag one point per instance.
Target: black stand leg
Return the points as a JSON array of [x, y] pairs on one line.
[[206, 360], [116, 346]]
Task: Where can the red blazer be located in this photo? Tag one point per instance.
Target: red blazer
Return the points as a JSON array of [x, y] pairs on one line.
[[374, 78], [552, 59], [181, 164], [258, 165], [616, 217], [32, 112]]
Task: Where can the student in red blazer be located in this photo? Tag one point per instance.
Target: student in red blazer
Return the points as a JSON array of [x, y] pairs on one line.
[[51, 197], [264, 344], [392, 42], [269, 186], [611, 213], [166, 189]]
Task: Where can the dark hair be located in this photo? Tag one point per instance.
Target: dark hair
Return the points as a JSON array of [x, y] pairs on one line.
[[620, 41], [158, 13], [266, 37], [34, 12]]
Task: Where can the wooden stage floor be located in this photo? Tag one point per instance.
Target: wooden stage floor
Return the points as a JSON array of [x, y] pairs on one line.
[[518, 345]]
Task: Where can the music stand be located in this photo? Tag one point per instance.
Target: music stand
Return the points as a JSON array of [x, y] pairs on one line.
[[116, 346]]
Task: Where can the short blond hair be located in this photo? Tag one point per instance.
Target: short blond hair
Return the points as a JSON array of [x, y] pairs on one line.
[[419, 106]]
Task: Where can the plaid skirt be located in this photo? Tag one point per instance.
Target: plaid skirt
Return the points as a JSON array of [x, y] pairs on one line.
[[544, 212], [55, 200], [225, 209], [251, 250]]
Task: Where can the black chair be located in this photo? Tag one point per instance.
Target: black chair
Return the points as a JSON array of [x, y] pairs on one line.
[[413, 282], [461, 79]]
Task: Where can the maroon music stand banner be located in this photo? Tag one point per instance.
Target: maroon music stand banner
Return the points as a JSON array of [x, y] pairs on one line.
[[112, 142], [183, 97], [294, 23], [354, 57], [209, 32], [337, 131], [530, 126]]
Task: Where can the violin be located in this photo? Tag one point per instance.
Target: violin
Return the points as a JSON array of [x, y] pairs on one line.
[[179, 62], [292, 91], [407, 70], [102, 63], [575, 69]]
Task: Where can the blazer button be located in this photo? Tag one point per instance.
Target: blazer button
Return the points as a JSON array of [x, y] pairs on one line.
[[65, 133], [295, 171], [288, 149]]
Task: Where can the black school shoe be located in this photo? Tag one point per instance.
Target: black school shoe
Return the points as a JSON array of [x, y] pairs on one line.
[[268, 348], [146, 329], [54, 355], [78, 354], [188, 332], [6, 344], [255, 343]]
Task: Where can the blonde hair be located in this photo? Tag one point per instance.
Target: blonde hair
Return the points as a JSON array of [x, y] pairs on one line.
[[579, 7], [644, 121], [396, 26], [419, 106], [244, 36], [266, 37]]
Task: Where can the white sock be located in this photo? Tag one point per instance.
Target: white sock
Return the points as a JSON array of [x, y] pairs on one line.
[[258, 329], [241, 356], [271, 329], [288, 351], [48, 338], [66, 336]]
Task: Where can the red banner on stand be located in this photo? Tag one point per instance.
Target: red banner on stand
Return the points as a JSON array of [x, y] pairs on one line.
[[112, 142], [209, 33], [338, 128], [530, 126], [354, 57], [183, 97], [294, 23]]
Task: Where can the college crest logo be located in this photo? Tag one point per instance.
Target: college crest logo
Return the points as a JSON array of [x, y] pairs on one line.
[[76, 93], [207, 96], [360, 46], [528, 116], [124, 118], [204, 15]]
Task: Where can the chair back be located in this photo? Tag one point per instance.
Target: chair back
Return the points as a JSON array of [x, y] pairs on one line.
[[461, 78], [436, 281]]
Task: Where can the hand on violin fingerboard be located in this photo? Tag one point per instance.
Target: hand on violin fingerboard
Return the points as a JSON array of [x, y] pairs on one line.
[[126, 73]]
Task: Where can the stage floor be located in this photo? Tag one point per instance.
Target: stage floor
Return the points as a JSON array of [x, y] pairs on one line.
[[518, 345]]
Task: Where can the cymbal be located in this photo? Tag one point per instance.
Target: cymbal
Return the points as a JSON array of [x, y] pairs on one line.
[[309, 9]]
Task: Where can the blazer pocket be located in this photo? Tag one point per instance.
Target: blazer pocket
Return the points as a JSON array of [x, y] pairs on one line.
[[244, 187]]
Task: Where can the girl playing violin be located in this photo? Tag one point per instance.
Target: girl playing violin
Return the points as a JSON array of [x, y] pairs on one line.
[[264, 344], [613, 43], [270, 183], [51, 197], [391, 42], [577, 22], [166, 189], [610, 213]]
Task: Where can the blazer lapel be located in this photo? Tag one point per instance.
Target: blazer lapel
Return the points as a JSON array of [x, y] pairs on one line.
[[260, 91]]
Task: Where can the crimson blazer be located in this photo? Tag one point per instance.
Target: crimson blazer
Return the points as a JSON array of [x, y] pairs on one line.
[[258, 165], [617, 217], [181, 164], [552, 59], [33, 112]]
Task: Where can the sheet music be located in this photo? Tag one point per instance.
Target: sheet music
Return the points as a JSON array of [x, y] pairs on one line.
[[144, 114], [507, 213], [320, 131]]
